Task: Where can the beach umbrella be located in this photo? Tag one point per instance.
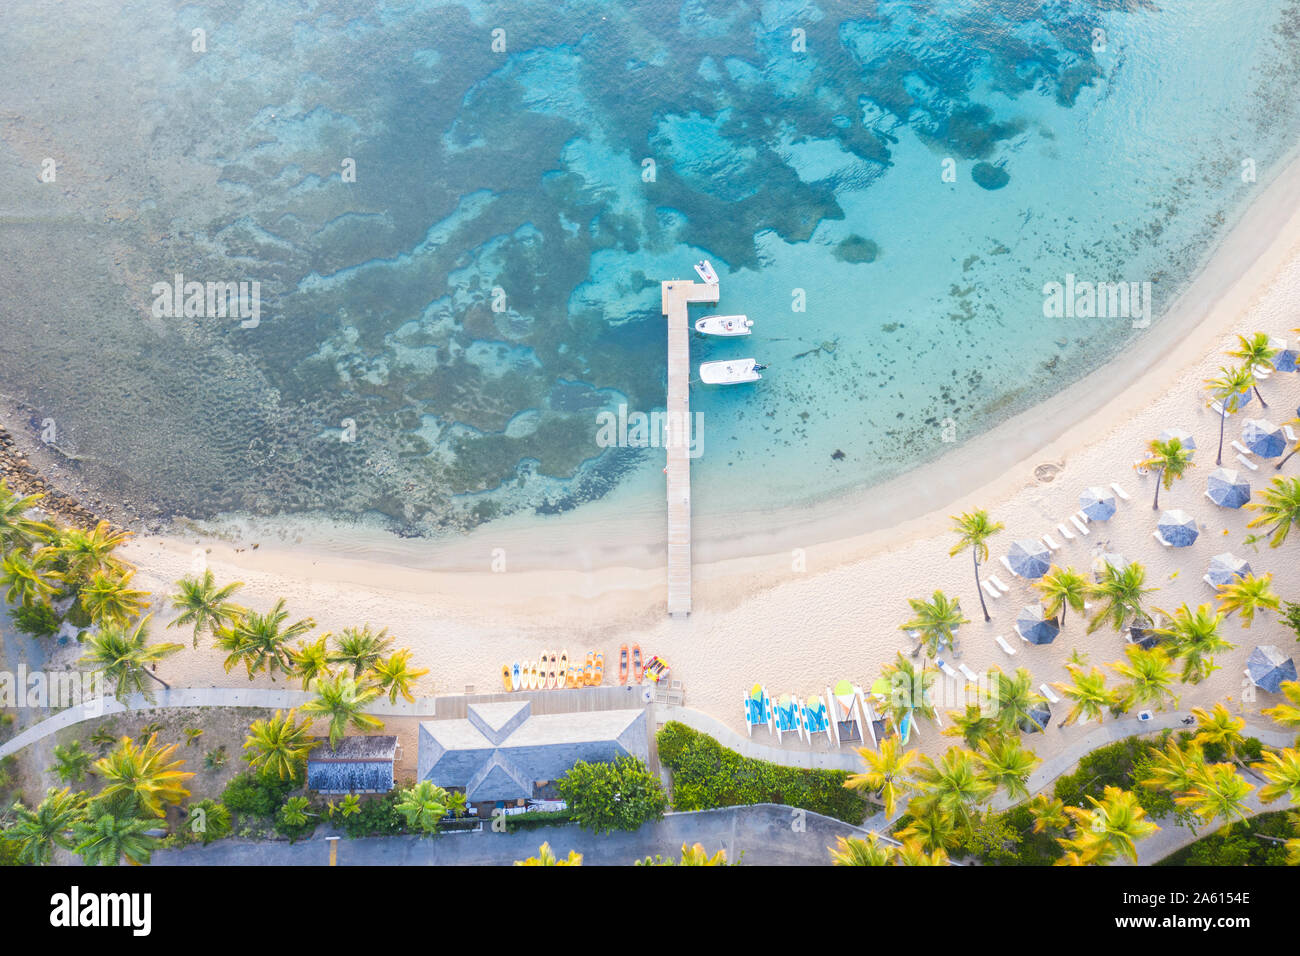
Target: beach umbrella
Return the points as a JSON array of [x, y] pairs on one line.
[[1268, 668], [1225, 567], [1036, 720], [1035, 626], [1184, 437], [1227, 488], [1263, 438], [1286, 360], [1108, 559], [756, 692], [1097, 503], [882, 688], [1239, 401], [1029, 558], [1178, 528]]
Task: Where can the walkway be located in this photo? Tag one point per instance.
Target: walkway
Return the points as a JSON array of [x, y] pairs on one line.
[[762, 835], [676, 296]]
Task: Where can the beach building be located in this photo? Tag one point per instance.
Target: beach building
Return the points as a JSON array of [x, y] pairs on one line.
[[357, 765], [501, 752]]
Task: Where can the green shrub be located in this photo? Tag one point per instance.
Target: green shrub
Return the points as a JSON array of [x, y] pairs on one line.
[[378, 817], [1252, 842], [612, 796], [37, 620], [256, 795], [1121, 764], [707, 774], [9, 850], [537, 818], [208, 821]]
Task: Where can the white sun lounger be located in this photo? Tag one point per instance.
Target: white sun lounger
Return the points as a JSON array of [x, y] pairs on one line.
[[1118, 490], [1051, 543], [1290, 435], [1248, 463], [1140, 468], [970, 674], [1261, 373], [1161, 538], [1002, 643], [1066, 533], [990, 590], [948, 669], [1007, 564], [1074, 520], [1047, 692], [997, 583], [1240, 447]]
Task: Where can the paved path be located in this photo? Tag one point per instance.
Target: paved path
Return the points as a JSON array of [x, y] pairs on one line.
[[762, 835]]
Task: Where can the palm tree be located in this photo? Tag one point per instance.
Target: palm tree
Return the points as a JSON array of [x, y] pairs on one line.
[[123, 658], [546, 857], [976, 724], [341, 701], [1111, 828], [1217, 791], [953, 785], [361, 648], [278, 746], [973, 530], [141, 780], [1282, 771], [1175, 768], [1122, 591], [855, 851], [39, 831], [933, 827], [1279, 510], [1295, 447], [1048, 813], [1014, 700], [79, 554], [28, 579], [71, 762], [204, 605], [1007, 764], [106, 838], [1287, 715], [1171, 459], [909, 691], [422, 806], [1220, 727], [394, 675], [1091, 697], [1061, 588], [16, 529], [108, 598], [913, 853], [1195, 639], [1226, 390], [1255, 352], [1248, 595], [311, 661], [936, 621], [259, 641], [1150, 674], [885, 773]]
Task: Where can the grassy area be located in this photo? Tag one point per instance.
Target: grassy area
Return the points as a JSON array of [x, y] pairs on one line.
[[1254, 842], [707, 774]]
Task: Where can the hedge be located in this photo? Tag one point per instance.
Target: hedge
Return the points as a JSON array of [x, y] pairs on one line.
[[1239, 844], [707, 775]]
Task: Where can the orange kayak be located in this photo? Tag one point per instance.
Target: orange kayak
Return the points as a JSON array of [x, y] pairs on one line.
[[588, 671], [637, 670], [600, 669], [622, 664]]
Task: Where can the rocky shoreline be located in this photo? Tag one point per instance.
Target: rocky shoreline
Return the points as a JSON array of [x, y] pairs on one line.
[[22, 476]]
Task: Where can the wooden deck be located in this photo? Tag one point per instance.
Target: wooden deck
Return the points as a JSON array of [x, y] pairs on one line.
[[676, 297], [570, 701]]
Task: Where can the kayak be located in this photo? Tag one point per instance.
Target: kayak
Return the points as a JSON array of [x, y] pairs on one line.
[[505, 676], [516, 677], [705, 269]]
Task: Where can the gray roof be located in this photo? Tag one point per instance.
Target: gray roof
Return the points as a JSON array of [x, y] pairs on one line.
[[498, 751], [353, 748]]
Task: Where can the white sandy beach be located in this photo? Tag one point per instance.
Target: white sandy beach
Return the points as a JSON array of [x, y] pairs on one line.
[[757, 617]]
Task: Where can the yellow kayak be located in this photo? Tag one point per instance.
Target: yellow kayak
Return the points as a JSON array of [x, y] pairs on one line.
[[562, 675], [599, 675], [505, 676], [589, 671]]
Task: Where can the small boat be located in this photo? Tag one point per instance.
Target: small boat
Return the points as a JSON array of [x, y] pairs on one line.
[[731, 372], [638, 671], [532, 675], [705, 268], [724, 325], [505, 677], [599, 669], [516, 677], [562, 676], [551, 674], [588, 671], [622, 664]]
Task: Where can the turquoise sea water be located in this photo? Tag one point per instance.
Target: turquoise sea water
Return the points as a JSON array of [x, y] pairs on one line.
[[490, 281]]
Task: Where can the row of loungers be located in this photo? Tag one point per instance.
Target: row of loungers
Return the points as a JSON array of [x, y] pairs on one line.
[[841, 717]]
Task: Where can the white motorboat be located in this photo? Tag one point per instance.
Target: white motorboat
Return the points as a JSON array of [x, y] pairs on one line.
[[723, 325], [705, 269], [731, 372]]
